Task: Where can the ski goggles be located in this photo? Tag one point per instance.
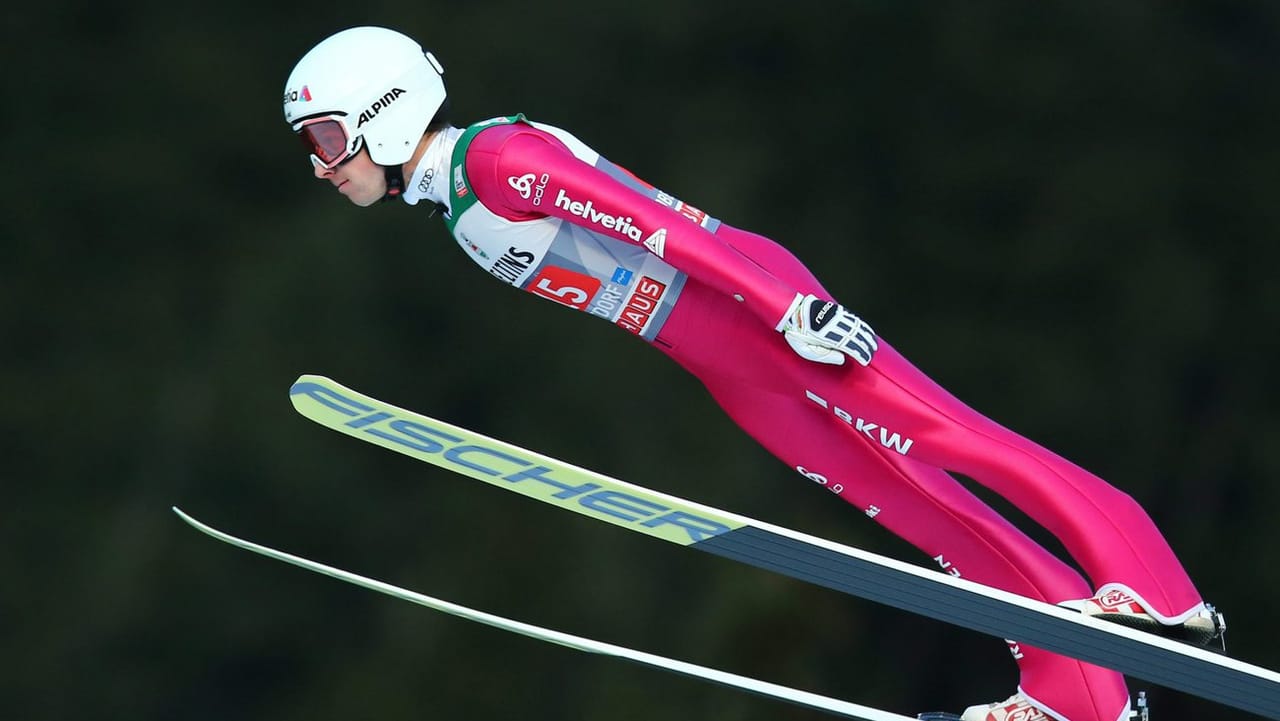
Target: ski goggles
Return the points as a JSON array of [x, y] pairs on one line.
[[328, 141]]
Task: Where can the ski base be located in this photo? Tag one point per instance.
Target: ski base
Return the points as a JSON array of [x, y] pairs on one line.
[[724, 678]]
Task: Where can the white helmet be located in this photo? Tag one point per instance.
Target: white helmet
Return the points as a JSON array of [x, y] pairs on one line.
[[364, 86]]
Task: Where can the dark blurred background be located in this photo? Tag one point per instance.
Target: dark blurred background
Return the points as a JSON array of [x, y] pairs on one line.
[[1062, 212]]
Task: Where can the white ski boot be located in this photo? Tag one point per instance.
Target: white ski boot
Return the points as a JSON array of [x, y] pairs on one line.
[[1117, 606], [1018, 708], [1014, 708]]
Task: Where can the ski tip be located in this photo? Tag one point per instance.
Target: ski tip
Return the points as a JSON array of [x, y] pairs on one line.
[[203, 527], [189, 520], [314, 387]]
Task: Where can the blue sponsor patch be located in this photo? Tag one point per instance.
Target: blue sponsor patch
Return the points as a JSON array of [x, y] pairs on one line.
[[622, 276]]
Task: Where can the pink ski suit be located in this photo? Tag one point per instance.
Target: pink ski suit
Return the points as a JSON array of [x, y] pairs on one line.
[[542, 211]]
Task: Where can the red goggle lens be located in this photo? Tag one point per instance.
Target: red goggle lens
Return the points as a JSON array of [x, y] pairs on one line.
[[326, 139]]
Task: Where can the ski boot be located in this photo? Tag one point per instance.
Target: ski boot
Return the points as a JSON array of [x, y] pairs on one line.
[[1116, 606], [1017, 708]]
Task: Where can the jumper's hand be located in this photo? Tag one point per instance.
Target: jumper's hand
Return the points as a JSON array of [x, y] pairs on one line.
[[824, 332]]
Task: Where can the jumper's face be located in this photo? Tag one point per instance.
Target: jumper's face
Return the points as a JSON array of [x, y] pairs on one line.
[[358, 177]]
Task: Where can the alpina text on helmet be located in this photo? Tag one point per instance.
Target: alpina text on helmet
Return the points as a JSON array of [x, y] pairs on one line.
[[379, 104]]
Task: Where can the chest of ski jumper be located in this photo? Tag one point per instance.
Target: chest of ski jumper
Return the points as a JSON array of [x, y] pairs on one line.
[[570, 263]]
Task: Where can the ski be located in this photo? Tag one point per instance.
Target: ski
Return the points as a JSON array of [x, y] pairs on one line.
[[905, 586], [724, 678]]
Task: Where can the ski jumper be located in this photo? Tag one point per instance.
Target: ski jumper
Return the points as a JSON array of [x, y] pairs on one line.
[[541, 211]]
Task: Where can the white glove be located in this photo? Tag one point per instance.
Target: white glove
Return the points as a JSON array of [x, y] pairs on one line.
[[824, 332]]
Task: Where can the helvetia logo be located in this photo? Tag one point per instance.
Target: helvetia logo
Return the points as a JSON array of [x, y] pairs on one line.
[[293, 96], [657, 243], [587, 212], [379, 105]]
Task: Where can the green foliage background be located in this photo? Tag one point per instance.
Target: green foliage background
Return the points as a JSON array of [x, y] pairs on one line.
[[1063, 212]]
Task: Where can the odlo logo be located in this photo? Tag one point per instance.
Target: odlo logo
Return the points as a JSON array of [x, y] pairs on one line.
[[525, 187], [820, 479], [379, 105], [522, 185]]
